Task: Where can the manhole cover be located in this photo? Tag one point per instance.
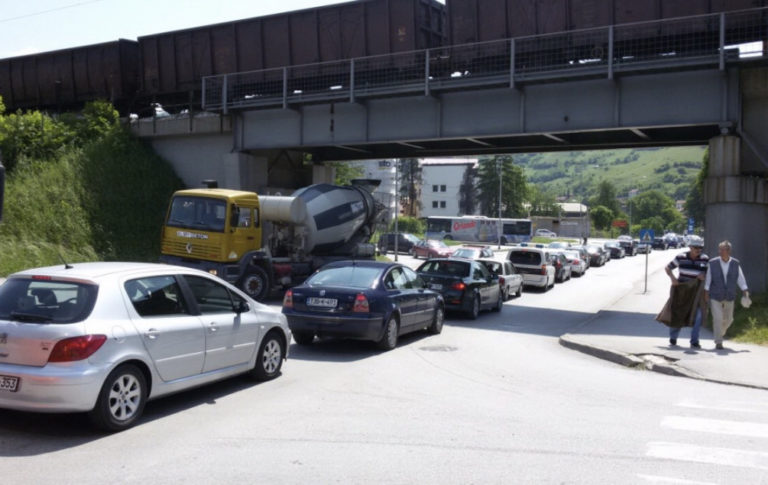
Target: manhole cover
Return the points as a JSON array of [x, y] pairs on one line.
[[439, 348]]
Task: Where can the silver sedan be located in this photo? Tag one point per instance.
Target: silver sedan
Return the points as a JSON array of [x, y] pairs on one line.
[[104, 338]]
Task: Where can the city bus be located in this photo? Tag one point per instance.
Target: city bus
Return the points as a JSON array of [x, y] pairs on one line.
[[479, 229]]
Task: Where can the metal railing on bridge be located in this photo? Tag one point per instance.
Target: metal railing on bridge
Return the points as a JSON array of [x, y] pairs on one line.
[[705, 40]]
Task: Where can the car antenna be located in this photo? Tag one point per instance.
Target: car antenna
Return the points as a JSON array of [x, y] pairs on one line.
[[66, 265]]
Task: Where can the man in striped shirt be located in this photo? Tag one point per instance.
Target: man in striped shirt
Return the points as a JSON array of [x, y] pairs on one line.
[[690, 265]]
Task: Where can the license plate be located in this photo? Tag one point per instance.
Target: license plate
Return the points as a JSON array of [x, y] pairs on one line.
[[9, 383], [436, 286], [322, 302]]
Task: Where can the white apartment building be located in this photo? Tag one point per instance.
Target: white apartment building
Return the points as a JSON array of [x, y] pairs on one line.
[[441, 180]]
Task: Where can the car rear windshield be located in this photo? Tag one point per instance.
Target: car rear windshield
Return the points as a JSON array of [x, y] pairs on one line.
[[346, 276], [445, 268], [525, 257], [46, 301]]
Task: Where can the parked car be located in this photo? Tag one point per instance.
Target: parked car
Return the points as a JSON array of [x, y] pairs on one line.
[[562, 266], [510, 280], [431, 249], [473, 252], [642, 247], [535, 266], [559, 245], [673, 240], [545, 233], [659, 243], [615, 249], [466, 285], [104, 338], [583, 255], [598, 256], [578, 263], [363, 300], [628, 244], [405, 242]]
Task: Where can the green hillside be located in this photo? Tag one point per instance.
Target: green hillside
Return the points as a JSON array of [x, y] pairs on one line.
[[575, 174]]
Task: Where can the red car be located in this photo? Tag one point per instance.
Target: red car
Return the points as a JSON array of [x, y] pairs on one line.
[[431, 249]]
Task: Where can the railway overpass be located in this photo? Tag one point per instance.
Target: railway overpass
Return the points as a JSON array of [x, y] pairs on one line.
[[519, 95]]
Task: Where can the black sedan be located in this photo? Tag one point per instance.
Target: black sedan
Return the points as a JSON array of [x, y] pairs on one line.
[[466, 285], [616, 251], [364, 300], [598, 256]]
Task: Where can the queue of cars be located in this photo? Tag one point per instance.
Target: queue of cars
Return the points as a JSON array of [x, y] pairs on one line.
[[106, 338]]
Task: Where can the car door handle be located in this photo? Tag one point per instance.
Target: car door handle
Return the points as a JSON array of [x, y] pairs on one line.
[[151, 334], [212, 327]]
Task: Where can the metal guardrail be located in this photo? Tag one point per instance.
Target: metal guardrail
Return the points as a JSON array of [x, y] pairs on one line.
[[715, 40]]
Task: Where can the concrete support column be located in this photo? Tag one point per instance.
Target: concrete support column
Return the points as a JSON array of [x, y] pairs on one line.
[[323, 174], [737, 210], [243, 171]]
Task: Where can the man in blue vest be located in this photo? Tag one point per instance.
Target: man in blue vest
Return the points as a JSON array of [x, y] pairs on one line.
[[723, 278]]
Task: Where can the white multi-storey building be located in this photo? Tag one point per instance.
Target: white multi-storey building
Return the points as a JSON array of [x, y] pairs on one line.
[[441, 185]]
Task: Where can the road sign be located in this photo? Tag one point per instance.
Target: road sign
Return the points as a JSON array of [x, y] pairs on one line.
[[646, 235], [690, 225]]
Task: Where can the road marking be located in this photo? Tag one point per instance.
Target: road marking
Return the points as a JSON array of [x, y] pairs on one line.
[[709, 455], [731, 406], [717, 426], [657, 479]]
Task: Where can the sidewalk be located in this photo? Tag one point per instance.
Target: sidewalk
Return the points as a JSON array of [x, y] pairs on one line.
[[627, 334]]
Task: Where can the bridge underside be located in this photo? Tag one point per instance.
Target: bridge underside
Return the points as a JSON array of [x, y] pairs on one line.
[[657, 109]]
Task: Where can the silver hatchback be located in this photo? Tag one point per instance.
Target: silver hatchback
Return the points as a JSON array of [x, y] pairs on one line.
[[104, 338]]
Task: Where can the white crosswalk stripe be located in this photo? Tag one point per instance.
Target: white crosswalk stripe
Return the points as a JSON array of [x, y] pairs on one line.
[[723, 418]]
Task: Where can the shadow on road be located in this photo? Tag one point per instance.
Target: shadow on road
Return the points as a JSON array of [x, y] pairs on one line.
[[346, 350]]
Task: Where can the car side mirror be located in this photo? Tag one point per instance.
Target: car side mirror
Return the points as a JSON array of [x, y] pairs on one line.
[[242, 307]]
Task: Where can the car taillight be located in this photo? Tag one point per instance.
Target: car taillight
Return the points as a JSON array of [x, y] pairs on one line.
[[76, 348], [544, 269], [459, 285], [361, 304], [501, 280], [288, 299], [576, 261]]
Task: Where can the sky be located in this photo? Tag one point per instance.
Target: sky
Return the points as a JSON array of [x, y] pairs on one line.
[[31, 26]]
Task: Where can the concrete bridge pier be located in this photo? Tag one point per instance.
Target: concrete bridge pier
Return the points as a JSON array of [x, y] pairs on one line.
[[737, 210]]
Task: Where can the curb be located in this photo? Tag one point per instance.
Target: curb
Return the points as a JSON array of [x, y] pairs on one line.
[[630, 360]]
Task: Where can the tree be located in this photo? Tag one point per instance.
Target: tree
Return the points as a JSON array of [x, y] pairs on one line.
[[601, 217], [514, 187], [542, 203], [656, 207], [346, 172], [694, 201], [410, 186], [606, 197], [468, 192]]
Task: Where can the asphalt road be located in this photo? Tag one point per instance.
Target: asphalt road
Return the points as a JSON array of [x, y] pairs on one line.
[[496, 400]]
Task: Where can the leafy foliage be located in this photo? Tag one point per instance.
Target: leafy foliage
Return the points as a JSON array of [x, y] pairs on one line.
[[346, 172], [601, 217], [408, 224], [514, 187], [410, 186], [694, 201]]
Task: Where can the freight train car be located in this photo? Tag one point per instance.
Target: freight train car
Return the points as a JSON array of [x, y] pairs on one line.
[[471, 21], [484, 20], [68, 78], [174, 63]]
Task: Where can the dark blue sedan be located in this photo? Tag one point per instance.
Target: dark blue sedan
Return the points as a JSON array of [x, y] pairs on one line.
[[363, 300]]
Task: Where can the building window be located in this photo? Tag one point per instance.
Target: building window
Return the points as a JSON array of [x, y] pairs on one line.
[[442, 188], [442, 203], [434, 204], [434, 188]]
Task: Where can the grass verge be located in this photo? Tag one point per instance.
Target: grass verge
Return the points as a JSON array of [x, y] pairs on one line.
[[750, 325]]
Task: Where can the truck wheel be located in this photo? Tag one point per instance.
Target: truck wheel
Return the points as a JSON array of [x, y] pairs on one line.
[[255, 283]]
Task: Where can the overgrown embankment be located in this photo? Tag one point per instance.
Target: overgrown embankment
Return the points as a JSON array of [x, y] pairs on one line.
[[79, 188]]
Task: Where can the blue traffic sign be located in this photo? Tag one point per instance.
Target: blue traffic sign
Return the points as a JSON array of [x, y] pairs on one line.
[[646, 235]]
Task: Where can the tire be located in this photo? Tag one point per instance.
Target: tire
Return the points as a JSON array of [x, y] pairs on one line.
[[504, 241], [505, 294], [519, 291], [121, 399], [474, 312], [269, 360], [255, 283], [304, 338], [389, 339], [499, 304], [437, 321]]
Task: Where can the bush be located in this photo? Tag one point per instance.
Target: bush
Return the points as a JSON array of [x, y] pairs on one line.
[[409, 224]]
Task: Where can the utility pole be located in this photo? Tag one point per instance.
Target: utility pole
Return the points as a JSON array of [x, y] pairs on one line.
[[498, 225], [397, 202]]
